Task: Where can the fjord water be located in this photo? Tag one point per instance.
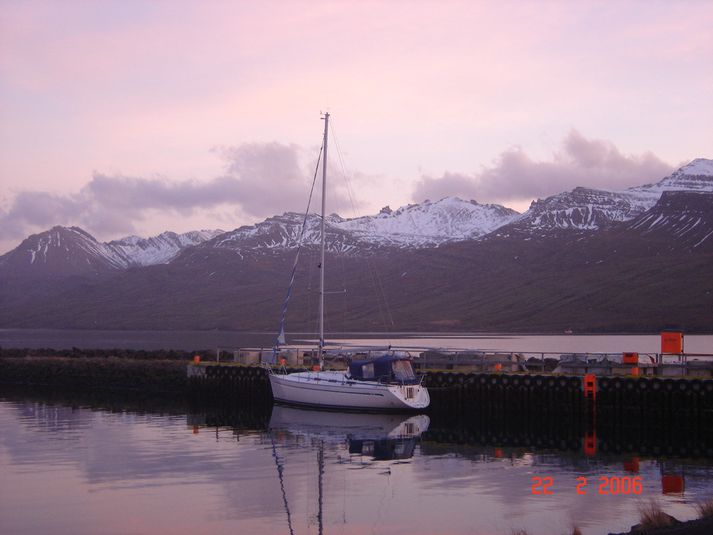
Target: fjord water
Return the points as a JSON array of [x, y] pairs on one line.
[[122, 466], [108, 465], [197, 340]]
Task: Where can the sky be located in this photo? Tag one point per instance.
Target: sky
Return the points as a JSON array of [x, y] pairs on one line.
[[135, 117]]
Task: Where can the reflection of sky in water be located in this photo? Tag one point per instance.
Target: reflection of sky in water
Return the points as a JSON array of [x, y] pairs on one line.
[[576, 343], [195, 340], [81, 471]]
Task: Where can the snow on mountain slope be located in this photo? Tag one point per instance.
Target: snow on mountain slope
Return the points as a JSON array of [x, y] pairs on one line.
[[682, 217], [430, 223], [62, 250], [283, 232], [72, 250], [695, 176], [587, 209], [136, 251], [417, 225], [584, 209]]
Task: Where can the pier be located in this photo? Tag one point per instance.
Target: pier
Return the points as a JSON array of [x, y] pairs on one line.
[[630, 387], [629, 397]]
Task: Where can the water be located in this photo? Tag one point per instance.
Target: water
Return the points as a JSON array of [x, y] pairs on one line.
[[84, 466], [199, 340], [116, 466]]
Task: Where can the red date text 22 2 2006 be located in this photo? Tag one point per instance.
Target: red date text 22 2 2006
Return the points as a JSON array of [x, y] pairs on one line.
[[606, 485]]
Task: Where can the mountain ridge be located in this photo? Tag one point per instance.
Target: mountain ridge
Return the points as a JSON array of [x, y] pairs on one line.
[[422, 225], [595, 262]]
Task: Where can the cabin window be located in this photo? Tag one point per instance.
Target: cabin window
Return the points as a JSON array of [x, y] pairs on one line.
[[403, 370], [367, 371]]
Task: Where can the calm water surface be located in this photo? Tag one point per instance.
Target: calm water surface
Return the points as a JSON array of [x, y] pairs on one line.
[[201, 340], [71, 469]]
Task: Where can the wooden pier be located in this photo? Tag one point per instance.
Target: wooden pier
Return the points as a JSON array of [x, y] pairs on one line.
[[633, 398]]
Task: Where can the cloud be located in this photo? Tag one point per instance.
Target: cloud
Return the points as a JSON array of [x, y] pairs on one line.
[[579, 162], [260, 180]]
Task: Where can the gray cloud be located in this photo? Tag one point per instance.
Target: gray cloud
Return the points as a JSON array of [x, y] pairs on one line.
[[515, 176], [260, 180], [35, 209]]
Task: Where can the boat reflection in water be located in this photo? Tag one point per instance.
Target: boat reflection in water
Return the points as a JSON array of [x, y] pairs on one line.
[[379, 436]]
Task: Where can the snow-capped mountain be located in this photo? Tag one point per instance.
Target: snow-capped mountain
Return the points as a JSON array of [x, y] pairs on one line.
[[694, 176], [283, 232], [415, 226], [683, 217], [427, 224], [62, 251], [585, 209], [72, 250], [137, 251], [631, 260], [430, 223]]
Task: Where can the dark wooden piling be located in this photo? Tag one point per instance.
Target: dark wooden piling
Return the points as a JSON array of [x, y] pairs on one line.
[[657, 401]]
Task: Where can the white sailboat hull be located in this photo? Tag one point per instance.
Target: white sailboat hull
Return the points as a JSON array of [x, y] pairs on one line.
[[335, 390]]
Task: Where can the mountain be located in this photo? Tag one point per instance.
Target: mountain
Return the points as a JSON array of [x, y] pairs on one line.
[[635, 260], [136, 251], [583, 209], [61, 251], [428, 224], [680, 219], [694, 176], [586, 210], [64, 251], [281, 233], [639, 276]]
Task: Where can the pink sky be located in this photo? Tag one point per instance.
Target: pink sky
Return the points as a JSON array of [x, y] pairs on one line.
[[418, 90]]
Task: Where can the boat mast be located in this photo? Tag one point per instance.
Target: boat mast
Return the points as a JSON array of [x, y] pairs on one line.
[[321, 265]]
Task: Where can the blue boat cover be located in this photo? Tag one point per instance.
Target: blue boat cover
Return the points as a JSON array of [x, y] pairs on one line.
[[386, 368]]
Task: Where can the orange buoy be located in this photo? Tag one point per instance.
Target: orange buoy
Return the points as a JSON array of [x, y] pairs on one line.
[[672, 484]]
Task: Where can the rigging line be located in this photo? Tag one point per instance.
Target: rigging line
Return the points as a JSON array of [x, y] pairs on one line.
[[370, 265], [311, 262], [280, 470], [281, 333]]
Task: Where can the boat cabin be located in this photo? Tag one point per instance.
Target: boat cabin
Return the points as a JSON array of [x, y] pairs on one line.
[[384, 369]]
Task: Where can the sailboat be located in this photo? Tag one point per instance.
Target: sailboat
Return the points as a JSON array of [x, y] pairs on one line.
[[385, 383]]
